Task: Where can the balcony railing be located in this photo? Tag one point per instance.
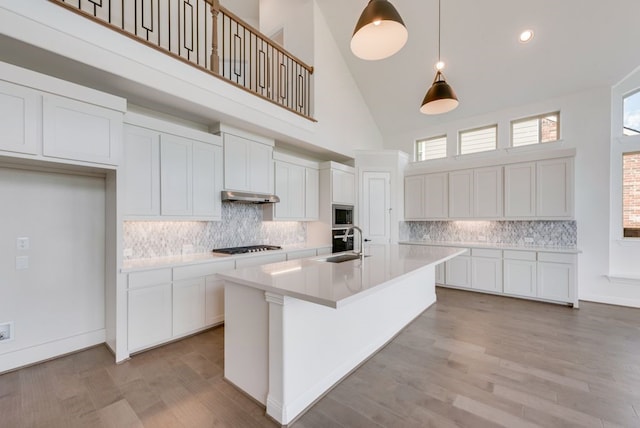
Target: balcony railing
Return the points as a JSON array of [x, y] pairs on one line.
[[206, 35]]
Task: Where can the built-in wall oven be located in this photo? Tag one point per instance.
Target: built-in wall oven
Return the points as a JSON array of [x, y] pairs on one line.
[[338, 243], [342, 216]]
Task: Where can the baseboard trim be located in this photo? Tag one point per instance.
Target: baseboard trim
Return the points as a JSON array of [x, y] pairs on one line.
[[19, 358]]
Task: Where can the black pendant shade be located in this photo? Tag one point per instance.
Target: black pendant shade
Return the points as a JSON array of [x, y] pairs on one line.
[[440, 97], [379, 33]]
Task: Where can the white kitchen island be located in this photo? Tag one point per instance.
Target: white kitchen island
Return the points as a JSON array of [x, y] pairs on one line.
[[294, 329]]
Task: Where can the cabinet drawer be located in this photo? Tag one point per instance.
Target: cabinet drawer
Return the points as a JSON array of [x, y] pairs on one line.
[[204, 269], [485, 252], [151, 277], [520, 255], [556, 257]]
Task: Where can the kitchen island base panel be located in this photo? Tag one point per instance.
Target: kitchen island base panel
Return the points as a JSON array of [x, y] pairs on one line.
[[286, 353]]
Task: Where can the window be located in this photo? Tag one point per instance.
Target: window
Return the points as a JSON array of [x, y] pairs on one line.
[[478, 140], [431, 148], [533, 130], [631, 194], [631, 114]]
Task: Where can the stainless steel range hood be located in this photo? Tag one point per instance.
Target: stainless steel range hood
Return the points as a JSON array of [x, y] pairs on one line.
[[249, 198]]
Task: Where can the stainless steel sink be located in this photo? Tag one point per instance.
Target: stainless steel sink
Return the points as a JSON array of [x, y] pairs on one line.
[[341, 258]]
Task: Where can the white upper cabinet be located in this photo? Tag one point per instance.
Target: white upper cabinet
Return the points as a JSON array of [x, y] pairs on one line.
[[487, 192], [520, 190], [141, 171], [554, 184], [176, 182], [75, 125], [539, 189], [426, 197], [248, 165], [542, 189], [461, 194], [436, 199], [297, 184], [414, 197], [343, 187], [171, 171], [290, 188], [19, 118], [207, 180], [79, 131]]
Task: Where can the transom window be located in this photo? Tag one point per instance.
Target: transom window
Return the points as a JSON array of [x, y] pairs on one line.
[[478, 140], [543, 128], [631, 114], [631, 194], [431, 148]]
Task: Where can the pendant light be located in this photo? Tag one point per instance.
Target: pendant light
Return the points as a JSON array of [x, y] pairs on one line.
[[379, 33], [440, 97]]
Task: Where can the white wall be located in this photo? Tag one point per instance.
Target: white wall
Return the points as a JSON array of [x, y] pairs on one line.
[[585, 123], [58, 303], [345, 122], [295, 18]]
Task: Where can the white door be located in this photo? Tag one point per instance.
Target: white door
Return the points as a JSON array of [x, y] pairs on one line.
[[376, 206]]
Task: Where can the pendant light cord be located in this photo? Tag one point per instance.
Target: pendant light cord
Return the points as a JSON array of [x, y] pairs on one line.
[[438, 30]]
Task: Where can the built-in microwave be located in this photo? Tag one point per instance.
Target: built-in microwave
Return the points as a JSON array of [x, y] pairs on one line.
[[342, 216]]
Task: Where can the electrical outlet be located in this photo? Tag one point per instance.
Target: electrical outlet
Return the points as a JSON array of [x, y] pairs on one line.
[[187, 249], [127, 252], [426, 238], [528, 240], [6, 331], [482, 238], [22, 262]]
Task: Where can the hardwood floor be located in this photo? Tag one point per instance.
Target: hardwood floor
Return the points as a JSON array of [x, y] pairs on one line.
[[471, 360]]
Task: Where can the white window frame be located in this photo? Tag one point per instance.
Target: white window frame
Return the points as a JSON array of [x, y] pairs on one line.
[[538, 117], [630, 94], [481, 128], [426, 140]]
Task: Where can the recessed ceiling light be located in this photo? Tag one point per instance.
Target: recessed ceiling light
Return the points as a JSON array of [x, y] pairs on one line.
[[526, 36]]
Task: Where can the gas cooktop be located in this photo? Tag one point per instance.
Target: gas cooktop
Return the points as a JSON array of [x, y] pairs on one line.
[[247, 249]]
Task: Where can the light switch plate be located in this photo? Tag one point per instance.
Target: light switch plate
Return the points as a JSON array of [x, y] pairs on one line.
[[22, 243]]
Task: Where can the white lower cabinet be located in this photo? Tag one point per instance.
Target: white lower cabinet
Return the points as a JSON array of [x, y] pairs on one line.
[[440, 273], [149, 316], [486, 269], [520, 273], [556, 276], [188, 306], [458, 271]]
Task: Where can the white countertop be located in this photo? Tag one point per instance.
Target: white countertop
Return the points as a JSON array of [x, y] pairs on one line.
[[497, 246], [209, 257], [335, 284]]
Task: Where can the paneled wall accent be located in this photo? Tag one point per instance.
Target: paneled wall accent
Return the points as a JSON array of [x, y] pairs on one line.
[[541, 233], [241, 225]]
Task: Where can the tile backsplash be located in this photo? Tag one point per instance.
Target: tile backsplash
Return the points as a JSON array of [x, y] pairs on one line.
[[534, 233], [241, 225]]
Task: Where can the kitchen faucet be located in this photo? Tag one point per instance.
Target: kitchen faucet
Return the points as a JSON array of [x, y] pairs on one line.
[[346, 236]]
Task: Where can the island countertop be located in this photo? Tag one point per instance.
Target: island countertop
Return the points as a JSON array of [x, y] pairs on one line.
[[336, 284]]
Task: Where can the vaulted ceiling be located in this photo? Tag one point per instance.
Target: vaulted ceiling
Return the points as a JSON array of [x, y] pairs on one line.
[[578, 44]]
